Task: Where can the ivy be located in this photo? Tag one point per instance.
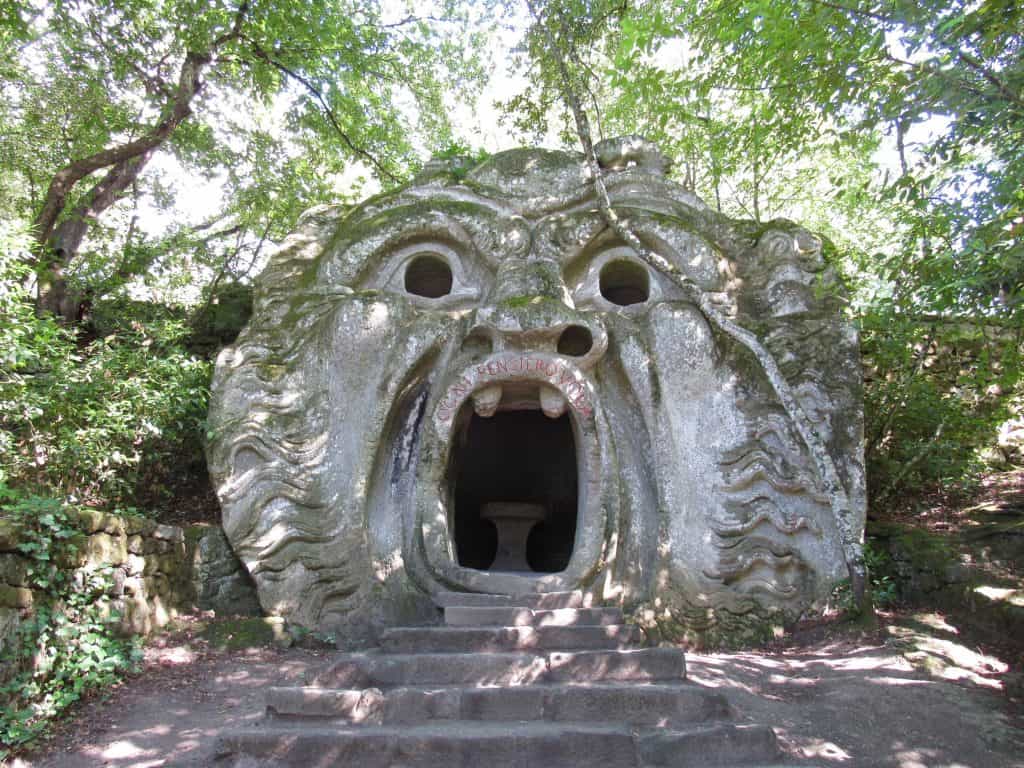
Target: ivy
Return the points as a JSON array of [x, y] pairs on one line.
[[68, 645]]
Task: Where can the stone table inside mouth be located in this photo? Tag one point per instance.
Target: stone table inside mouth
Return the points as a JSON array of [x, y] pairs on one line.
[[514, 521]]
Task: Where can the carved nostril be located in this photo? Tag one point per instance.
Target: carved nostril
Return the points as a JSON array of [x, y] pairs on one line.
[[575, 341]]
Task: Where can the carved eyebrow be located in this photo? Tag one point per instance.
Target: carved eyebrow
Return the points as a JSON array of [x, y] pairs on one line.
[[449, 234], [366, 249]]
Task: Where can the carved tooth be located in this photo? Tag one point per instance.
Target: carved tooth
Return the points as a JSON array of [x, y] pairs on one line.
[[552, 402], [485, 401]]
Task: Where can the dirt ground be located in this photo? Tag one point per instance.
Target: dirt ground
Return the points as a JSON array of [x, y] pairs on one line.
[[911, 694], [921, 689]]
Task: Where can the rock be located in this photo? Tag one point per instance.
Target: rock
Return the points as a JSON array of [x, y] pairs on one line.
[[136, 565], [102, 548], [91, 520], [233, 595], [134, 586], [74, 553], [169, 564], [221, 581], [170, 533], [117, 580], [216, 557], [235, 634], [114, 525], [135, 544], [136, 619], [155, 585], [10, 536], [139, 526], [479, 338], [10, 620], [160, 612], [152, 565], [15, 597], [14, 570]]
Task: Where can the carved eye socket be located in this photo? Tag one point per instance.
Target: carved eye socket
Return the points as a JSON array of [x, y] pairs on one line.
[[428, 276], [625, 282]]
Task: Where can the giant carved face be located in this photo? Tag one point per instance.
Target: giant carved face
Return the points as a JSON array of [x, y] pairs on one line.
[[472, 384]]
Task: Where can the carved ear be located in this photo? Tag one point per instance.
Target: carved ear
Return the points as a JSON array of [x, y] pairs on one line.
[[631, 152]]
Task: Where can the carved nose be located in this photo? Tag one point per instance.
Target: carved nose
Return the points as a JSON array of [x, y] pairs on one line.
[[531, 310], [519, 280]]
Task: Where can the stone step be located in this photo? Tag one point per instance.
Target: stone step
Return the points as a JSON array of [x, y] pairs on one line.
[[502, 745], [705, 746], [497, 745], [539, 600], [495, 639], [649, 664], [400, 669], [647, 704], [519, 616]]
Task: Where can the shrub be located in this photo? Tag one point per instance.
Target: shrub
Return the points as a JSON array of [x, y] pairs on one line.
[[936, 391], [91, 420]]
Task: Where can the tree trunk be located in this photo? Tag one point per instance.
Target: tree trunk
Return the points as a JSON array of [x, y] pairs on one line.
[[59, 233], [54, 294]]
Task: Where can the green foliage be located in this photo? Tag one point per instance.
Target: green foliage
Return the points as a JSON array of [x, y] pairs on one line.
[[936, 391], [461, 158], [296, 105], [94, 419], [884, 590], [896, 129], [68, 645]]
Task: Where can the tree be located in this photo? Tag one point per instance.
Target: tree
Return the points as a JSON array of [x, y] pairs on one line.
[[101, 86], [779, 109]]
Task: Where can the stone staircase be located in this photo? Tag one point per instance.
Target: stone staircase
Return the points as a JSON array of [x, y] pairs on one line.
[[533, 680]]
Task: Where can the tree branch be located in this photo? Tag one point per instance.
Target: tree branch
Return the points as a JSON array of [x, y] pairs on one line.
[[832, 484], [978, 66], [189, 84], [57, 244], [328, 112], [856, 11]]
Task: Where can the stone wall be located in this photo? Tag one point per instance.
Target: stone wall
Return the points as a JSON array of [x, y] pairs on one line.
[[156, 572], [220, 580]]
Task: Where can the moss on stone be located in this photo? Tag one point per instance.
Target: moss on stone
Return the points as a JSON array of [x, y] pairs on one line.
[[518, 302], [239, 633], [924, 551], [712, 631], [10, 536], [194, 533]]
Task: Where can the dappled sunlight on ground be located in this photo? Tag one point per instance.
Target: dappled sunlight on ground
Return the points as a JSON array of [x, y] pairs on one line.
[[908, 695]]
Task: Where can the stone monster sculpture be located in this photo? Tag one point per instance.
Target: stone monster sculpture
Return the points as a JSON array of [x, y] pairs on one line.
[[474, 371]]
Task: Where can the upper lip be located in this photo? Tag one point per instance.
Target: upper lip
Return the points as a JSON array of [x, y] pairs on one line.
[[560, 381]]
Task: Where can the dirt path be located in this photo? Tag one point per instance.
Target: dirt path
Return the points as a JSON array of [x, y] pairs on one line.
[[184, 698], [913, 699], [911, 696]]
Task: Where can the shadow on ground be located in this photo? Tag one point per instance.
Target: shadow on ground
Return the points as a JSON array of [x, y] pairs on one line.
[[914, 696], [911, 696]]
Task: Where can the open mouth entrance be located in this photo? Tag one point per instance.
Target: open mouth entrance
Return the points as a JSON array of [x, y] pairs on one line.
[[514, 491]]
